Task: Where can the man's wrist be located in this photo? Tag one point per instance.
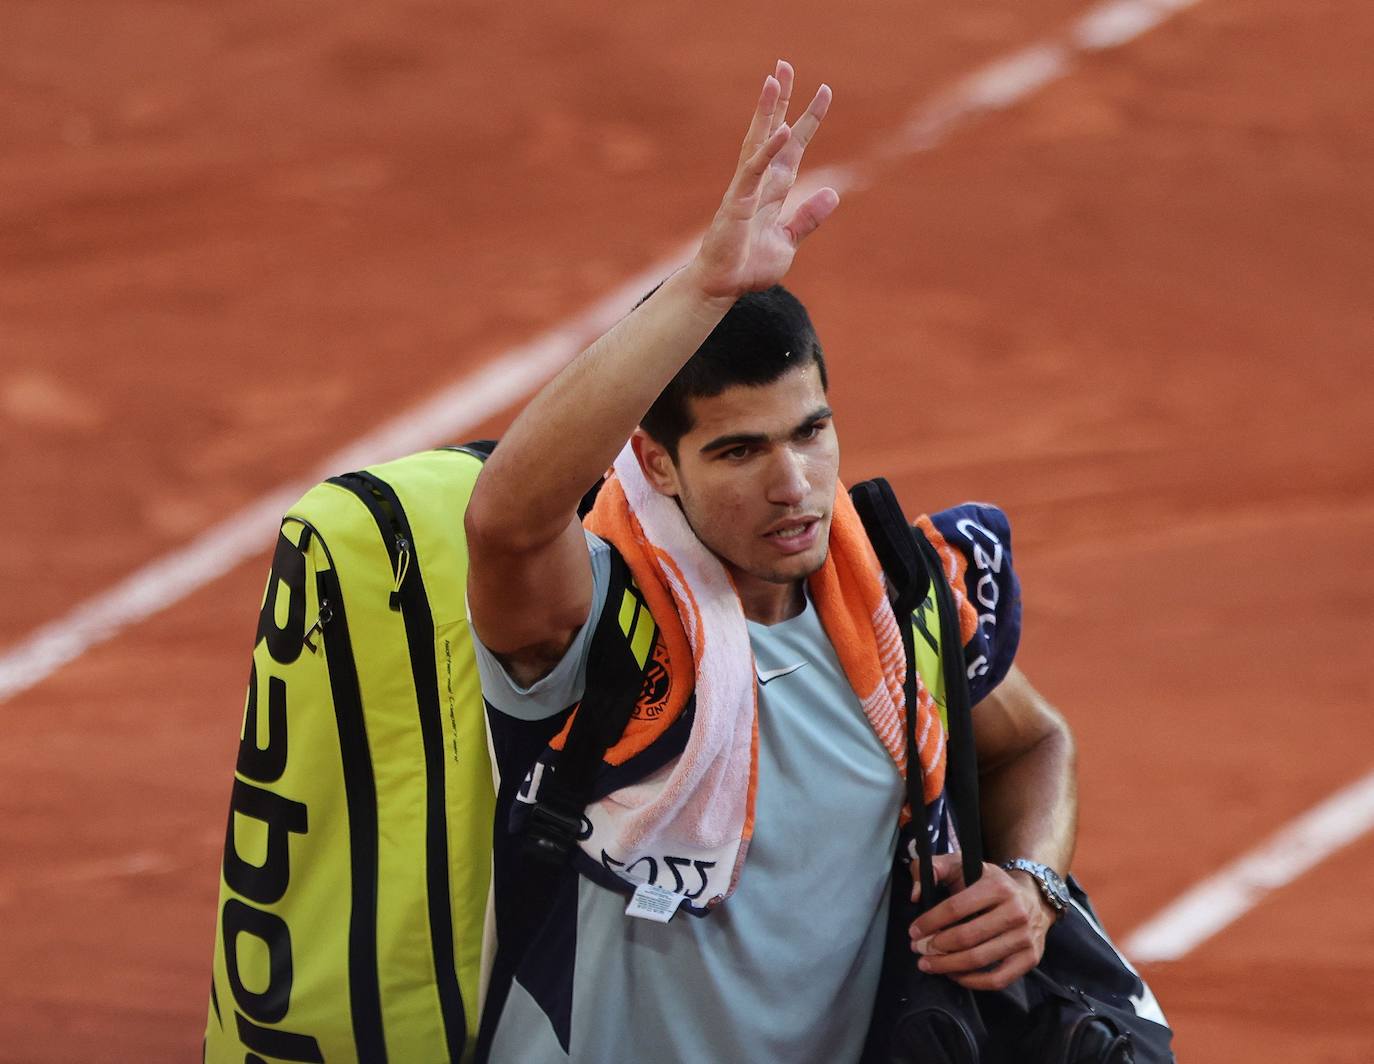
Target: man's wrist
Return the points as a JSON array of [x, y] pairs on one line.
[[707, 299], [1049, 888], [1026, 883]]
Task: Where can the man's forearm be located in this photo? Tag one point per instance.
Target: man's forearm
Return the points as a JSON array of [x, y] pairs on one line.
[[572, 430], [1030, 804]]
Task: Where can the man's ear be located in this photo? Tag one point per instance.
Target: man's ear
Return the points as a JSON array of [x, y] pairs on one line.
[[656, 463]]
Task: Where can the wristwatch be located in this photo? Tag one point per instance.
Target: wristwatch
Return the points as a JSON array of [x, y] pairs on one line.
[[1047, 879]]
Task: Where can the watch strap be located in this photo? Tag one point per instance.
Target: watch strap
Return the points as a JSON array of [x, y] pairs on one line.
[[1051, 884]]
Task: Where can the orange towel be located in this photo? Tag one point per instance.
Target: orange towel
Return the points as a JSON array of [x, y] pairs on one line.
[[701, 806]]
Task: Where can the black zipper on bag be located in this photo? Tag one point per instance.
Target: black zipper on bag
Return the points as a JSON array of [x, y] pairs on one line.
[[409, 598], [360, 795], [360, 799]]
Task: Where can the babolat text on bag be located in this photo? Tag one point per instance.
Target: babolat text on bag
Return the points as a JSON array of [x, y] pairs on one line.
[[353, 918]]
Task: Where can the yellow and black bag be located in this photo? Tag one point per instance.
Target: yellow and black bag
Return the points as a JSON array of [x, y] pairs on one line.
[[355, 918], [354, 899]]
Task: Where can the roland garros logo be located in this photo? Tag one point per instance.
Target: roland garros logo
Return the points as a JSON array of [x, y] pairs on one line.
[[653, 693]]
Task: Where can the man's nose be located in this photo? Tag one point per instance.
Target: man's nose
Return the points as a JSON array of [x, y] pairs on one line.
[[789, 484]]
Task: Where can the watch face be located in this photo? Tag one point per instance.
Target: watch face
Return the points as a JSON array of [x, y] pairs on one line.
[[1056, 886], [1056, 891]]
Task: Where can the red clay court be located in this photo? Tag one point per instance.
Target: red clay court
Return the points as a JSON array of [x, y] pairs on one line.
[[1120, 285]]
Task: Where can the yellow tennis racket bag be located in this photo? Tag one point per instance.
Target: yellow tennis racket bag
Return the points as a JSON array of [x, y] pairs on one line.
[[354, 896]]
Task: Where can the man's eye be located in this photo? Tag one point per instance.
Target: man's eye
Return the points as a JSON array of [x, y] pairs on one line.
[[810, 432], [736, 453]]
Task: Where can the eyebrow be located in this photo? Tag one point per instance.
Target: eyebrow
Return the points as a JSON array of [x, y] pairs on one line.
[[740, 439]]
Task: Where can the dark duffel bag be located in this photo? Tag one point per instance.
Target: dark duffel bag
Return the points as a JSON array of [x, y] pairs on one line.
[[1083, 1003]]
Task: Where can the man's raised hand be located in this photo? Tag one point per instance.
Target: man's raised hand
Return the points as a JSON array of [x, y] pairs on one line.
[[750, 245]]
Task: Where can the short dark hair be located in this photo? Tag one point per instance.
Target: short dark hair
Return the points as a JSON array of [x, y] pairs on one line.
[[764, 335]]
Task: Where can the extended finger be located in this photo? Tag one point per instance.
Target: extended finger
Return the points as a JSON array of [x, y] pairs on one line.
[[751, 170], [761, 126], [784, 74], [980, 956], [805, 127], [807, 218]]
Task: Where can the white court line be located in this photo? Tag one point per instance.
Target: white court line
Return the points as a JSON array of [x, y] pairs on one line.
[[994, 87], [1200, 913], [517, 372], [447, 414], [1222, 898]]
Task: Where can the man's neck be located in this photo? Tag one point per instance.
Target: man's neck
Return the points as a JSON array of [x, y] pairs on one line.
[[765, 602]]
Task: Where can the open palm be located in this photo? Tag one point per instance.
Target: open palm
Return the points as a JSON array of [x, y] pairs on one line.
[[750, 244]]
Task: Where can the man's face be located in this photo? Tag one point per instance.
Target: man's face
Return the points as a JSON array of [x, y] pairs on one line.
[[756, 477]]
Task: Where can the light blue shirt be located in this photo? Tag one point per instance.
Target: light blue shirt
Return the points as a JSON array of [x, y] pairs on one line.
[[787, 968]]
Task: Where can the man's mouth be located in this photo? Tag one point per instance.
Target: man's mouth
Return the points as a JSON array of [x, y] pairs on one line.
[[795, 535]]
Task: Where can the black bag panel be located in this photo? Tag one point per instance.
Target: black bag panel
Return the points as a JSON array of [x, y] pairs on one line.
[[1078, 1006]]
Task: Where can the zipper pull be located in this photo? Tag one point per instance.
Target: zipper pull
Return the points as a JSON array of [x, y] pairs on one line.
[[402, 567], [326, 615]]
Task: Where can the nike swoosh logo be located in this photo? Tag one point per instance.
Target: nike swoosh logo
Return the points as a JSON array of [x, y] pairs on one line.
[[772, 674]]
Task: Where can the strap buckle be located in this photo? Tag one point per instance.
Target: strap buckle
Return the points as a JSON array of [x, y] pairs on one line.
[[551, 833]]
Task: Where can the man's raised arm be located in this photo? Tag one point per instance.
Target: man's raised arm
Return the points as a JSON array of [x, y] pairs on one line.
[[529, 581]]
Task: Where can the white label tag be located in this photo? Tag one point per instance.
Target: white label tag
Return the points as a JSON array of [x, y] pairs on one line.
[[653, 903]]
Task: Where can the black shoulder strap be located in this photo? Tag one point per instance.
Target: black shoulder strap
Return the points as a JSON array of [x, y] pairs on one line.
[[615, 678], [555, 822], [892, 541], [913, 569]]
